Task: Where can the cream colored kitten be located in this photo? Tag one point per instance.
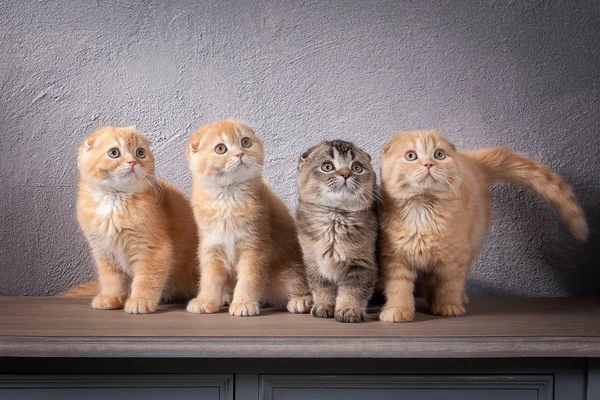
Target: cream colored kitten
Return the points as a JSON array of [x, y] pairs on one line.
[[249, 244], [140, 230], [435, 215]]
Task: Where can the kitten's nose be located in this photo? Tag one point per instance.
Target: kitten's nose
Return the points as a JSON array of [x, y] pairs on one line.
[[428, 165], [239, 155], [132, 163], [344, 173]]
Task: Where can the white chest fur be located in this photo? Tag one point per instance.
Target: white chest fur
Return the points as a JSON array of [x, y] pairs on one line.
[[226, 223], [106, 234]]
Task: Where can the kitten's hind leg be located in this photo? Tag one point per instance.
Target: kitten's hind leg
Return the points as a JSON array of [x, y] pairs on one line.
[[355, 291], [113, 285], [289, 289], [298, 291], [465, 297], [213, 283]]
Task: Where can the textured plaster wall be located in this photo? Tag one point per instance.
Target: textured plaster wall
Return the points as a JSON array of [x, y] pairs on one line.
[[522, 74]]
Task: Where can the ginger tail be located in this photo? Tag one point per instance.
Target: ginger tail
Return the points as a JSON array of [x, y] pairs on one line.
[[502, 164], [87, 289]]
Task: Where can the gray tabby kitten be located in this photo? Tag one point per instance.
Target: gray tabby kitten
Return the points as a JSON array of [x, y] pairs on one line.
[[337, 228]]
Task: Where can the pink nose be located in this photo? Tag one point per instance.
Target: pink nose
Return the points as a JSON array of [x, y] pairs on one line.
[[132, 163], [428, 165], [239, 155]]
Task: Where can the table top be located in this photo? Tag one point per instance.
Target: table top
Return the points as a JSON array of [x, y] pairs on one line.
[[493, 327]]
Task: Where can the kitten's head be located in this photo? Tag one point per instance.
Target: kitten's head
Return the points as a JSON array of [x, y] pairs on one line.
[[337, 174], [117, 159], [225, 152], [417, 162]]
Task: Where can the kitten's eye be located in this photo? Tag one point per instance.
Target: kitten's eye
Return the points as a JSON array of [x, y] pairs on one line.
[[327, 167], [411, 156], [246, 142], [114, 153], [357, 167], [140, 153], [439, 154], [220, 149]]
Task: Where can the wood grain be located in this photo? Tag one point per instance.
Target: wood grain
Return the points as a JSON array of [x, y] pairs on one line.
[[493, 327]]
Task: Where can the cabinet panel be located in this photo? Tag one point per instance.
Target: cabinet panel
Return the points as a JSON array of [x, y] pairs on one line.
[[387, 387], [116, 387]]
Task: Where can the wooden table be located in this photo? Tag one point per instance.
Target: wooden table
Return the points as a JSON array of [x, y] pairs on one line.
[[550, 346]]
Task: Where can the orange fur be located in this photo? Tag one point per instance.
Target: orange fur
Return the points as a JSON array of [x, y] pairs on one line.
[[434, 225], [248, 238], [87, 289], [141, 230]]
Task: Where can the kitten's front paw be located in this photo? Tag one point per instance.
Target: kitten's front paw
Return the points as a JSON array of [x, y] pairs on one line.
[[299, 305], [322, 311], [103, 302], [140, 306], [200, 305], [352, 315], [244, 308], [447, 310], [396, 314]]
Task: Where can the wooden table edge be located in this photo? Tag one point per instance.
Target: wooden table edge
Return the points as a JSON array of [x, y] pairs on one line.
[[298, 347]]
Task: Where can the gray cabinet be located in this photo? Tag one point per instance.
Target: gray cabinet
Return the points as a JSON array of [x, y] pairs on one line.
[[116, 387], [295, 379], [423, 387]]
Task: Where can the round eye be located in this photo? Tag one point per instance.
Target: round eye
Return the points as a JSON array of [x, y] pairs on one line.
[[439, 154], [246, 142], [411, 156], [140, 153], [114, 153], [220, 149], [357, 167], [327, 167]]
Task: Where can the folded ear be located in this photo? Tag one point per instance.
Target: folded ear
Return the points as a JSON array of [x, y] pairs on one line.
[[448, 144], [92, 140], [308, 152], [304, 156], [387, 147], [88, 145], [398, 137], [244, 126], [193, 144]]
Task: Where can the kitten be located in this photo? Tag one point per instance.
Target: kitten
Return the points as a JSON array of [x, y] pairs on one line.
[[436, 211], [249, 242], [337, 228], [141, 230]]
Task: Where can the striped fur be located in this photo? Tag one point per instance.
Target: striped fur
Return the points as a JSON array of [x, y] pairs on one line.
[[337, 228]]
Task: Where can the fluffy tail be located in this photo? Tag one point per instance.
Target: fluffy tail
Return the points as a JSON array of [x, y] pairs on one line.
[[503, 164], [87, 289]]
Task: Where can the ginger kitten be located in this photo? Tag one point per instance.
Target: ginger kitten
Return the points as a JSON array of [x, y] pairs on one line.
[[337, 228], [436, 211], [141, 231], [249, 244]]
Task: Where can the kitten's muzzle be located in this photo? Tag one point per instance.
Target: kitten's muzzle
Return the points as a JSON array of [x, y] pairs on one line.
[[344, 173], [240, 155]]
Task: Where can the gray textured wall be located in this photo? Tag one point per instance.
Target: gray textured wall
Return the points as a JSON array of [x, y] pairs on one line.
[[522, 74]]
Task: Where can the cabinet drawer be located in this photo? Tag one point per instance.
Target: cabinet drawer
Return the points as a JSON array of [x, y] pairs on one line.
[[116, 387], [409, 387]]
